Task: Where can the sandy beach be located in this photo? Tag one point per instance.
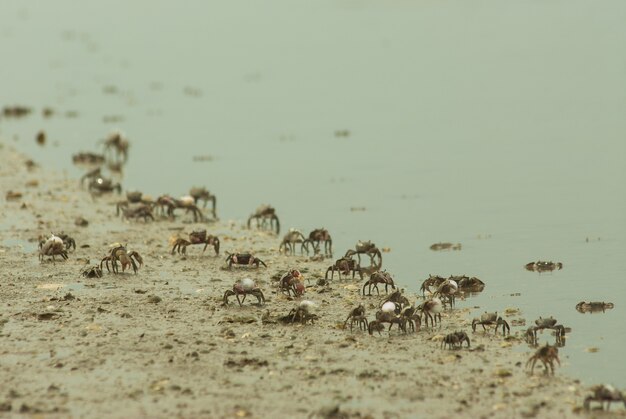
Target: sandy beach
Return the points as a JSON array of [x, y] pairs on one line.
[[160, 343]]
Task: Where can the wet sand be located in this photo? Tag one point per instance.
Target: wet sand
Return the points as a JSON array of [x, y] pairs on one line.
[[77, 347]]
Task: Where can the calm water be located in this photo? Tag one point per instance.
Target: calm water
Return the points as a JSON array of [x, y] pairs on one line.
[[499, 125]]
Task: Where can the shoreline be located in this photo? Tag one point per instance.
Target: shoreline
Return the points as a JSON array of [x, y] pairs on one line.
[[108, 347]]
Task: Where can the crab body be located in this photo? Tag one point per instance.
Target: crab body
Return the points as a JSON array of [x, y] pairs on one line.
[[379, 277], [288, 245], [243, 259], [119, 253], [53, 246], [197, 237], [316, 237], [243, 288], [202, 194], [344, 265], [263, 215], [489, 319]]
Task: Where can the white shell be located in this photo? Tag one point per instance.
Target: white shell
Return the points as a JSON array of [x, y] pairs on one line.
[[307, 305], [389, 307], [247, 284], [187, 200], [437, 307]]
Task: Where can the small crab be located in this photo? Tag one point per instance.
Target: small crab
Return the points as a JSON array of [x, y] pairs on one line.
[[316, 237], [547, 323], [541, 266], [447, 291], [488, 319], [604, 393], [197, 237], [593, 306], [243, 259], [288, 245], [455, 339], [547, 355], [379, 277], [202, 194], [262, 215], [303, 313], [469, 285], [389, 316], [410, 315], [138, 211], [433, 281], [431, 309], [292, 281], [375, 326], [91, 272], [166, 204], [357, 315], [366, 248], [118, 253], [118, 143], [99, 185], [52, 246], [244, 287], [132, 197], [344, 265], [397, 297], [68, 241]]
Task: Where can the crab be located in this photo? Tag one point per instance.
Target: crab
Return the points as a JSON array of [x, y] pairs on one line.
[[455, 339], [410, 315], [447, 291], [491, 319], [593, 306], [604, 393], [118, 143], [52, 246], [202, 194], [547, 355], [244, 287], [167, 205], [88, 158], [243, 259], [366, 248], [389, 316], [90, 176], [357, 315], [292, 281], [262, 215], [288, 245], [119, 253], [138, 211], [379, 277], [303, 313], [469, 285], [133, 197], [548, 323], [397, 297], [375, 326], [316, 237], [433, 281], [431, 309], [344, 265], [99, 185], [197, 237], [91, 272], [68, 241], [541, 266]]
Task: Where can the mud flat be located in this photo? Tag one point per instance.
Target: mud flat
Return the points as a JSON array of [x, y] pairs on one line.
[[161, 344]]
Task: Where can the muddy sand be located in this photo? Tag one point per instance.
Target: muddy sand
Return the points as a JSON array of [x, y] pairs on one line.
[[161, 344]]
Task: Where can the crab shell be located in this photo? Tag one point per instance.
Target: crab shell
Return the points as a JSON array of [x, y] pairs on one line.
[[437, 305], [187, 200], [247, 284], [389, 307]]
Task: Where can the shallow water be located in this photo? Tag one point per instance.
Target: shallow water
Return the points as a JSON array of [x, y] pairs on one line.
[[498, 125]]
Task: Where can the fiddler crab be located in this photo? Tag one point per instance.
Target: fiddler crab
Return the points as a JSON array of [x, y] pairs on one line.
[[288, 245], [366, 248], [197, 237], [316, 237], [134, 199], [202, 194], [379, 277], [454, 340], [489, 319], [387, 314], [52, 246], [447, 291], [262, 215], [91, 272], [357, 315], [431, 309], [410, 315], [545, 323], [117, 143], [243, 259], [547, 355], [167, 204], [344, 265], [243, 288], [593, 306], [68, 241], [292, 281], [541, 266], [118, 253], [303, 313], [604, 393]]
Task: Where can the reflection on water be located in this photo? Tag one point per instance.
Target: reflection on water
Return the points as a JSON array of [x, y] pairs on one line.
[[496, 126]]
